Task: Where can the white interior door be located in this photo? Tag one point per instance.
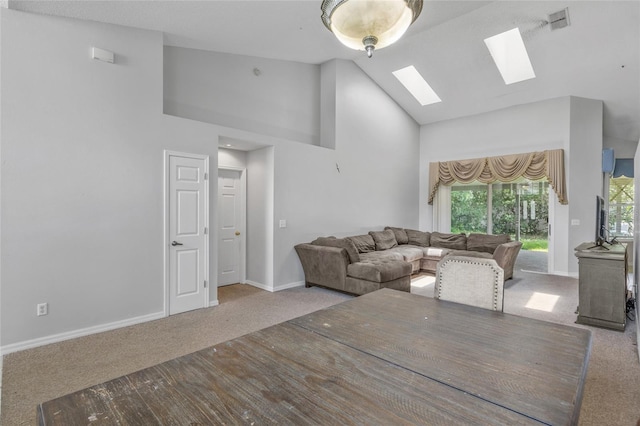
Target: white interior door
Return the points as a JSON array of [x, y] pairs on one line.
[[230, 226], [187, 240]]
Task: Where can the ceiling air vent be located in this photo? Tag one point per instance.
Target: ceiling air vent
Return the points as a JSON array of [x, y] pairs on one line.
[[559, 19]]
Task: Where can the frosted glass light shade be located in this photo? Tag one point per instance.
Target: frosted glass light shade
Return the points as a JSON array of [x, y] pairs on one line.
[[369, 24]]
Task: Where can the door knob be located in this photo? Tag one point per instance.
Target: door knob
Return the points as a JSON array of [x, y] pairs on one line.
[[175, 243], [237, 233]]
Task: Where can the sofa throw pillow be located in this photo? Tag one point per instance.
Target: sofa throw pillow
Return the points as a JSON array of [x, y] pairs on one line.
[[384, 239], [485, 242], [400, 233], [344, 243], [450, 241], [418, 238], [364, 243]]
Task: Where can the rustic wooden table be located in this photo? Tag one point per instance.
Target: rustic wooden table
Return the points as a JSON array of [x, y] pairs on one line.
[[383, 358]]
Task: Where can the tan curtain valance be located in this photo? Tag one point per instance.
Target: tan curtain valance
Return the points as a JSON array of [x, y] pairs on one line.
[[506, 168]]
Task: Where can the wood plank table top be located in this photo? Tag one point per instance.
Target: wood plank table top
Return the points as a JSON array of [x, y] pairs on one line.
[[532, 367], [384, 358]]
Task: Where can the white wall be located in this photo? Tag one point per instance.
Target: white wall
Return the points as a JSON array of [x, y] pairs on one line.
[[376, 150], [328, 104], [621, 148], [584, 177], [376, 147], [568, 123], [260, 198], [220, 88], [232, 158], [82, 177]]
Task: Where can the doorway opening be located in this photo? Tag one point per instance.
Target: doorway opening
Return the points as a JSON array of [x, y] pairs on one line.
[[231, 225]]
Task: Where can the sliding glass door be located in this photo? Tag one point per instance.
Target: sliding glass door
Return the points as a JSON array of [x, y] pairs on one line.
[[469, 208], [520, 209]]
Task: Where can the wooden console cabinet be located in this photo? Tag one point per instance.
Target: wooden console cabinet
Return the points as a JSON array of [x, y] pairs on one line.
[[602, 285]]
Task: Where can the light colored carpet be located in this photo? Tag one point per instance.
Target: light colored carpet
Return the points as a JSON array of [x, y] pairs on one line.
[[612, 391], [532, 261], [40, 374]]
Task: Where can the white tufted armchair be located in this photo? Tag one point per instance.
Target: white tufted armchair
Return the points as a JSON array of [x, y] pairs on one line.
[[470, 281]]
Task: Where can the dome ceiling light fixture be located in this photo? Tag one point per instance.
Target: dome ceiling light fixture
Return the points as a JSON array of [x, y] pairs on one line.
[[369, 24]]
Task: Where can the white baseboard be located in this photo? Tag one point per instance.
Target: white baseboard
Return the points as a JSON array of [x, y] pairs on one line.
[[213, 303], [276, 288], [290, 285], [566, 274], [55, 338], [259, 285]]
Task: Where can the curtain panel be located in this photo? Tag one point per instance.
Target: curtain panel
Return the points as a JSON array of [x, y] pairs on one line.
[[505, 168]]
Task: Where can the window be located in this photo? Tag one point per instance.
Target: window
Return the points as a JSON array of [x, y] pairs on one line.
[[621, 193]]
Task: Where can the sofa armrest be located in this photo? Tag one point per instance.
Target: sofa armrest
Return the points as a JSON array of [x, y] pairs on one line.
[[323, 265], [505, 256]]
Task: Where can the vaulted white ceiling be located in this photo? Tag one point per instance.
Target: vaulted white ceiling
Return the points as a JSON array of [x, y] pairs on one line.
[[597, 56]]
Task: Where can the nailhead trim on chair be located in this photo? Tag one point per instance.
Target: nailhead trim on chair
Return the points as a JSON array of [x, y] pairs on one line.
[[495, 279]]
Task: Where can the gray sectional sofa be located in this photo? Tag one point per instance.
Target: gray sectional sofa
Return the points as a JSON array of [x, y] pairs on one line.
[[386, 259]]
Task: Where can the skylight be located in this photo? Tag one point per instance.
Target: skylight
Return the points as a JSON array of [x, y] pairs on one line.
[[510, 56], [416, 85]]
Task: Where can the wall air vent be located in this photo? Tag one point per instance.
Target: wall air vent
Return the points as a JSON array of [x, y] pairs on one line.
[[559, 19]]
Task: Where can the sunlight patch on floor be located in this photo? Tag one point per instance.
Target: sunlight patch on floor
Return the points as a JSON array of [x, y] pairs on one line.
[[423, 285], [542, 302], [423, 281]]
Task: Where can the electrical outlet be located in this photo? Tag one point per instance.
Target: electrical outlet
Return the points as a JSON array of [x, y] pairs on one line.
[[42, 309]]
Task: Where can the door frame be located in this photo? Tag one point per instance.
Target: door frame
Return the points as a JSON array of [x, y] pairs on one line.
[[166, 239], [243, 219]]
